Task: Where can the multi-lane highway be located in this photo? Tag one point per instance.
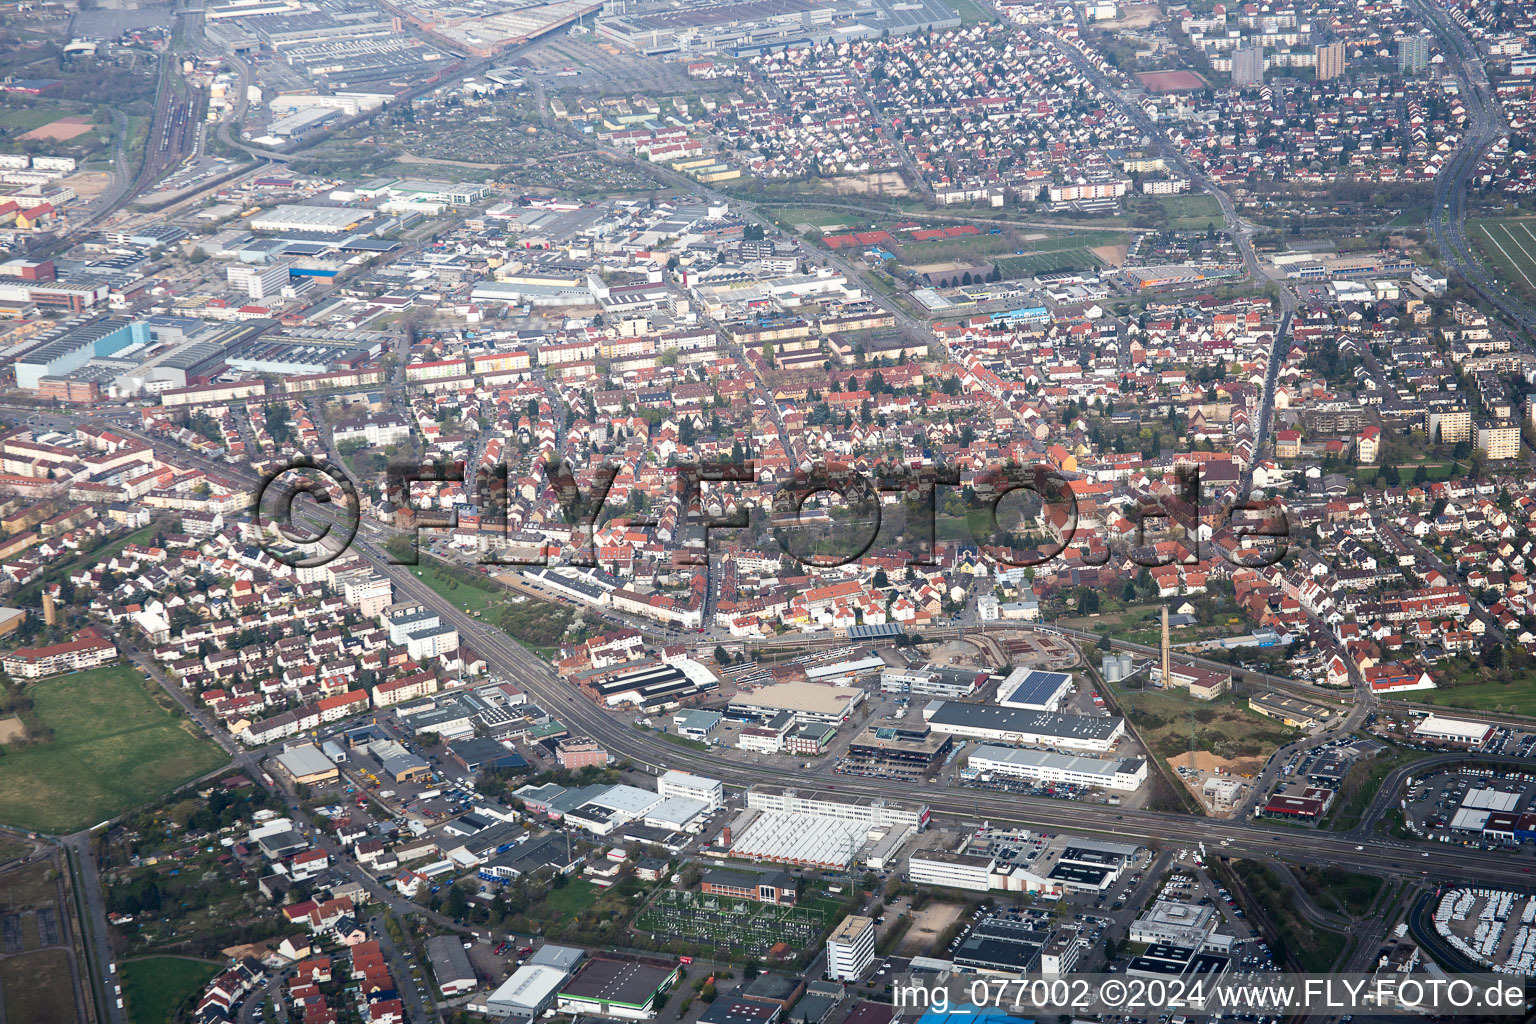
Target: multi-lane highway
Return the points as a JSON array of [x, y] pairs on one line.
[[1448, 211]]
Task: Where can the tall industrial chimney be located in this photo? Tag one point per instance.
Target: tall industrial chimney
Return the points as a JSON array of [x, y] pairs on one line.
[[1167, 662]]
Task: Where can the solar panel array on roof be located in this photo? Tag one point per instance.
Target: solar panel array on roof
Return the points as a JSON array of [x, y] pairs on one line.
[[1032, 688], [360, 244]]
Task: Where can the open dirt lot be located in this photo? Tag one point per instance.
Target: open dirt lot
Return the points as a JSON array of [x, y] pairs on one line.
[[886, 183], [927, 925], [1205, 761], [12, 730], [88, 184], [1113, 255], [62, 130]]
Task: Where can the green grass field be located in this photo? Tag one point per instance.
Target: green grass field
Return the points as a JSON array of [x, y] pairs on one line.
[[570, 899], [1509, 245], [970, 12], [1517, 698], [113, 749], [155, 987], [20, 120], [1339, 889], [470, 598], [1191, 213]]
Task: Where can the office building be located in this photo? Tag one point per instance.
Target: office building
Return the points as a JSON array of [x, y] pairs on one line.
[[949, 870], [1017, 726], [258, 281], [851, 948], [577, 752], [709, 792], [1049, 767]]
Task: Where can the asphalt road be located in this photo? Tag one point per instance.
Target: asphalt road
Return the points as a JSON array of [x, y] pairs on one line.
[[1448, 211]]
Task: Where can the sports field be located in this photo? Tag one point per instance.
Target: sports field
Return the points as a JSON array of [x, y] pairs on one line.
[[1030, 264], [113, 748], [1510, 246]]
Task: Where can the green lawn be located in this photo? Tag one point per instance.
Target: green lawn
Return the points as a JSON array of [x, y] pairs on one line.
[[113, 749], [468, 597], [154, 988], [1191, 213], [1339, 889], [566, 902], [1516, 698], [24, 120], [970, 11], [1013, 267]]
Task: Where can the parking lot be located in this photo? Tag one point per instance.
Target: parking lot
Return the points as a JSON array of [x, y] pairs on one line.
[[1460, 806]]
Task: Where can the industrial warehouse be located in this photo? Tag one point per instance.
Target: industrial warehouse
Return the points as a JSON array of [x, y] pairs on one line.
[[1025, 728], [807, 702], [812, 829]]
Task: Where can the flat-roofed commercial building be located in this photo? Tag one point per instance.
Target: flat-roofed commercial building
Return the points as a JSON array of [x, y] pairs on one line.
[[1453, 730], [950, 870], [831, 805], [710, 792], [611, 986], [896, 747], [1290, 710], [307, 765], [851, 948], [1125, 775], [808, 702], [1034, 690], [328, 220], [999, 946], [1027, 728], [932, 682]]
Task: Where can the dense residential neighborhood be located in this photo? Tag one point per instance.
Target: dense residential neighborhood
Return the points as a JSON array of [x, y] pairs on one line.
[[761, 510]]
